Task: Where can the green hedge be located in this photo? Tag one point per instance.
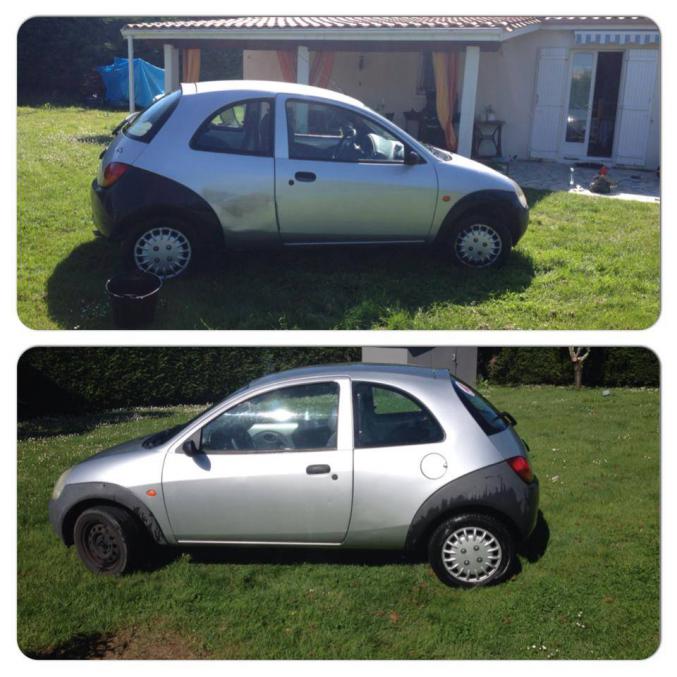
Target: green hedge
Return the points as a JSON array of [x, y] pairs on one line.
[[611, 367], [73, 380], [56, 56]]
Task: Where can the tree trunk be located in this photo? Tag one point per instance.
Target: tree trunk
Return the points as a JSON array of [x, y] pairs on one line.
[[578, 375]]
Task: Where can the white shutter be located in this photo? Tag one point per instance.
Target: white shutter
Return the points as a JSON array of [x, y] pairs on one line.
[[635, 106], [553, 71]]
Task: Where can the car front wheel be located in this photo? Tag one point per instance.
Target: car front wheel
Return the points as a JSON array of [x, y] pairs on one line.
[[469, 551], [108, 539], [479, 241], [163, 247]]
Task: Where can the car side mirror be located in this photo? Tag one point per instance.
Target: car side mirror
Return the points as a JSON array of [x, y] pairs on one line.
[[190, 448], [411, 157]]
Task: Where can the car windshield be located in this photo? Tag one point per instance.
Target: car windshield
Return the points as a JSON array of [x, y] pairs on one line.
[[158, 438], [488, 417]]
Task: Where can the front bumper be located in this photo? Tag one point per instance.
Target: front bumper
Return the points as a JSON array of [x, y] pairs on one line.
[[55, 511], [521, 221]]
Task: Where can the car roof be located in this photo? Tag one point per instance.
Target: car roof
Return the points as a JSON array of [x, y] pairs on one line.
[[361, 370], [267, 87]]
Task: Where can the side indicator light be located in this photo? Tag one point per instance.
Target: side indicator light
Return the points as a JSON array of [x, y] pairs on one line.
[[445, 198], [151, 492]]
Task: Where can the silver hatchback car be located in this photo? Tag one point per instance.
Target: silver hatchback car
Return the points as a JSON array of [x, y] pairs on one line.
[[346, 456], [245, 164]]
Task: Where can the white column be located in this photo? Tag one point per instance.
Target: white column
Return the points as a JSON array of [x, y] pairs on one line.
[[130, 65], [171, 64], [302, 65], [468, 97]]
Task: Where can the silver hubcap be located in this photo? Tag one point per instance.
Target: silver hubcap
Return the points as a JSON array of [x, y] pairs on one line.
[[478, 245], [163, 251], [471, 554]]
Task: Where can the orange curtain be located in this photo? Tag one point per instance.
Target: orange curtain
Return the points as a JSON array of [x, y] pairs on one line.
[[191, 65], [287, 59], [320, 73], [445, 67]]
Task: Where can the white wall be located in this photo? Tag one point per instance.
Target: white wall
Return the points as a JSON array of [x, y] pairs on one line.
[[386, 78], [507, 80]]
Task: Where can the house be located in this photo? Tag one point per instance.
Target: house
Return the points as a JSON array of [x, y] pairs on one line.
[[557, 88], [460, 361]]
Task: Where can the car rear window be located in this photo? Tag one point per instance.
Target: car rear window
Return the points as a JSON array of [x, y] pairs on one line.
[[486, 415], [148, 124]]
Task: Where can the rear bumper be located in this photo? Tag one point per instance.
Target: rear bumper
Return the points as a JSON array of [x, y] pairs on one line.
[[102, 209], [531, 513]]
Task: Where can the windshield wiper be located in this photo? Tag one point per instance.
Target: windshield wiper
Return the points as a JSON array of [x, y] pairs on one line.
[[159, 438]]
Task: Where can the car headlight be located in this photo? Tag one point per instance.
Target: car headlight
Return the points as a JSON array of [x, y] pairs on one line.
[[521, 196], [60, 484]]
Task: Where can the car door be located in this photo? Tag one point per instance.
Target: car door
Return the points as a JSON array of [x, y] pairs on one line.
[[341, 177], [401, 457], [276, 467]]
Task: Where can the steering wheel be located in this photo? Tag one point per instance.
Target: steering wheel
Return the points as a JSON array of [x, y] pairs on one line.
[[269, 439], [348, 149]]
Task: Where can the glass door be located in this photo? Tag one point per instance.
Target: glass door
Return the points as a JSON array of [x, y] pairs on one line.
[[579, 105], [594, 85]]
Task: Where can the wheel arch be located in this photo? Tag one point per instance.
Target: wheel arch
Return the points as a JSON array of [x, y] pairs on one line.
[[141, 195], [495, 203], [199, 223], [495, 490], [419, 541], [78, 497]]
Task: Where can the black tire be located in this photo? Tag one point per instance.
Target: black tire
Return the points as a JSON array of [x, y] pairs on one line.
[[182, 239], [492, 237], [499, 569], [109, 540]]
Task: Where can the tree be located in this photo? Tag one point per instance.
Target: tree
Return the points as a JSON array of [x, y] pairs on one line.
[[578, 355]]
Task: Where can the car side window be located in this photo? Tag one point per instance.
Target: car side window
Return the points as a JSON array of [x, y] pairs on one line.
[[296, 418], [244, 128], [388, 417], [318, 131]]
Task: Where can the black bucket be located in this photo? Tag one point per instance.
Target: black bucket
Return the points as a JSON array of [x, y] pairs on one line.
[[133, 297]]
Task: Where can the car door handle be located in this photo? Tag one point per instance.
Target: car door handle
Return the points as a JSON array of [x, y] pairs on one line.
[[318, 469], [305, 176]]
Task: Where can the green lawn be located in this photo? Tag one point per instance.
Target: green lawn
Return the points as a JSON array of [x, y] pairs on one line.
[[593, 594], [584, 263]]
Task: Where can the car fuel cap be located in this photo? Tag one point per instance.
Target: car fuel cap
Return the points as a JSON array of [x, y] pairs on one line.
[[434, 466]]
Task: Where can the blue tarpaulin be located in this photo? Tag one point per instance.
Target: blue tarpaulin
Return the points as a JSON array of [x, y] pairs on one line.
[[149, 81]]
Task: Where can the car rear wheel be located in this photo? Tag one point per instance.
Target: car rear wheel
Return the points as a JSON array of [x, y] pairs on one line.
[[470, 550], [480, 241], [108, 539], [164, 247]]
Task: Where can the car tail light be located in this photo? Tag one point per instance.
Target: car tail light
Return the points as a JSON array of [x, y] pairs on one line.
[[521, 466], [113, 172]]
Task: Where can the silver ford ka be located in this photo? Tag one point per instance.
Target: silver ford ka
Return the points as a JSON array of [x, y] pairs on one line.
[[346, 456], [244, 164]]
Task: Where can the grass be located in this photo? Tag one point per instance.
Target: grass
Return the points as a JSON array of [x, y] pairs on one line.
[[593, 594], [584, 263]]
